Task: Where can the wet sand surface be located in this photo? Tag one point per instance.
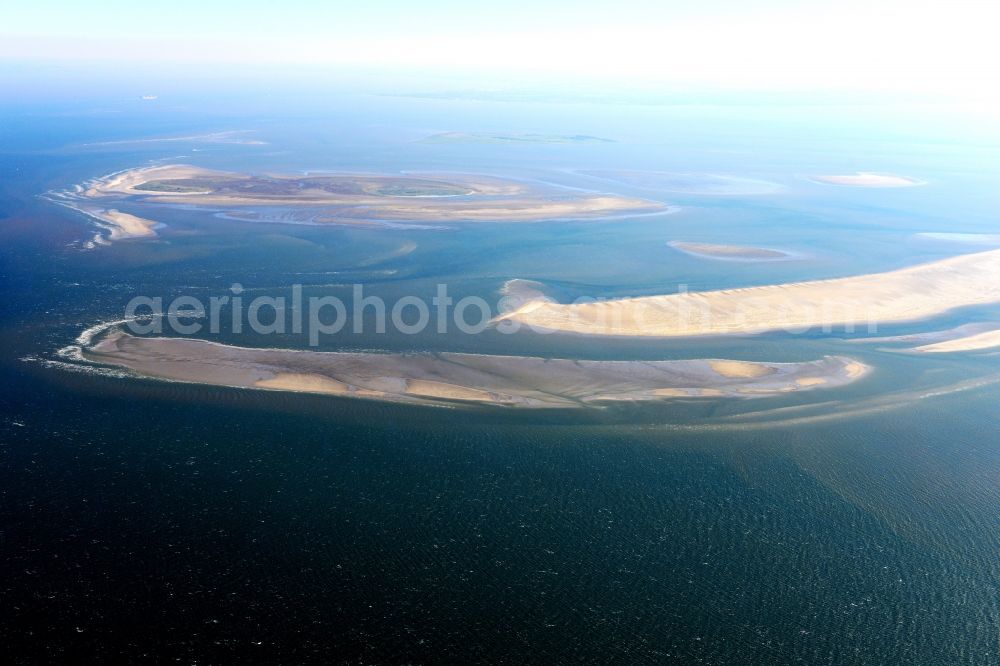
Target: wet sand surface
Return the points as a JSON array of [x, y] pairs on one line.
[[450, 378]]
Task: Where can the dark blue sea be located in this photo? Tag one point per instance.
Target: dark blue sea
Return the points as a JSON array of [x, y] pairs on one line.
[[145, 521]]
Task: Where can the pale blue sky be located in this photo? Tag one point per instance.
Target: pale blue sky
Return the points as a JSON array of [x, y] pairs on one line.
[[946, 47], [113, 18]]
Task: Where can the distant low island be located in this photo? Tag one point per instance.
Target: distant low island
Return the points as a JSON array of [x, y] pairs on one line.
[[341, 198], [512, 137]]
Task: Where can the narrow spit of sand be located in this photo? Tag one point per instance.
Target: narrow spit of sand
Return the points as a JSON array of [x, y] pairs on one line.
[[929, 337], [445, 378], [979, 341], [904, 295]]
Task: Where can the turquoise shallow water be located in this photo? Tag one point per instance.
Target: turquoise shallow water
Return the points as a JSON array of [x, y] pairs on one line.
[[207, 523]]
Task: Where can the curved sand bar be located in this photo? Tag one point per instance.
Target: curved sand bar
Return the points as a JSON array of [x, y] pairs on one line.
[[124, 225], [909, 294], [929, 337], [514, 381], [980, 341], [363, 197], [119, 225]]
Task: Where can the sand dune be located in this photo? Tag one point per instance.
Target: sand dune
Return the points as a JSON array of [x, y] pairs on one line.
[[444, 378], [740, 369], [299, 381], [909, 294]]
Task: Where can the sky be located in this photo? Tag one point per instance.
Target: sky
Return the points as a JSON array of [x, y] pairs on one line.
[[932, 48]]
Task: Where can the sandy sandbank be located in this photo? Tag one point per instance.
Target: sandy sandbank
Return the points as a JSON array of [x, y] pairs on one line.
[[514, 381], [127, 226], [229, 136], [730, 252], [688, 183], [908, 294], [118, 225], [967, 337], [740, 369], [928, 337], [985, 340]]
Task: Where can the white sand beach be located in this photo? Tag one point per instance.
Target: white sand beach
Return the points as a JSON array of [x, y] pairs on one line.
[[908, 294]]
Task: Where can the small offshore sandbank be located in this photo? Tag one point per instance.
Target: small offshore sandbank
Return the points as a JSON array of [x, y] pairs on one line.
[[237, 137], [446, 378], [127, 226], [511, 138], [730, 252], [868, 179], [909, 294], [709, 184], [117, 225]]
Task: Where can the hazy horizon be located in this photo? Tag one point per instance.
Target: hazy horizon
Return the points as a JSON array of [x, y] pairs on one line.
[[879, 47]]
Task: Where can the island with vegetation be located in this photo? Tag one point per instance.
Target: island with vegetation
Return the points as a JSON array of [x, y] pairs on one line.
[[341, 198]]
